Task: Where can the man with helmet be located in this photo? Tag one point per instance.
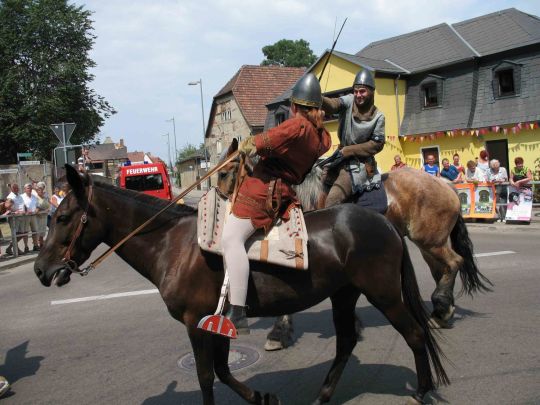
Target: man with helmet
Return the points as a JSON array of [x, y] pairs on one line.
[[287, 154], [361, 137]]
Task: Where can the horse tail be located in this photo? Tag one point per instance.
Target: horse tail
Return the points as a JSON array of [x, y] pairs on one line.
[[472, 280], [413, 302]]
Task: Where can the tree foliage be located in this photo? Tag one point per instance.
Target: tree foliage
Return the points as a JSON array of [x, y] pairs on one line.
[[44, 76], [190, 150], [286, 52]]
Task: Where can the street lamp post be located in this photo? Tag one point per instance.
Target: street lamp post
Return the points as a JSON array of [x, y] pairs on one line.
[[174, 135], [169, 149], [195, 83]]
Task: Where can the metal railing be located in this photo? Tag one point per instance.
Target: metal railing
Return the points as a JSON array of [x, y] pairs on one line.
[[14, 237]]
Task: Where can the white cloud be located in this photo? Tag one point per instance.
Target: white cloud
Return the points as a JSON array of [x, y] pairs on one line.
[[147, 51]]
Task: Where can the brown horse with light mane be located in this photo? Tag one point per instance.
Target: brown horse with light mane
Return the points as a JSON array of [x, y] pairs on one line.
[[424, 208], [352, 251]]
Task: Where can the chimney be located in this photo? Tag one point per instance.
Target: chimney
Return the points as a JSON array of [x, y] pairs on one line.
[[121, 142]]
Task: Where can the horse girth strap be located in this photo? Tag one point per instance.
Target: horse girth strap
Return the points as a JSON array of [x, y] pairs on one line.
[[106, 254]]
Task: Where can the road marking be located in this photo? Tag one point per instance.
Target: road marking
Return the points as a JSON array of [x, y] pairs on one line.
[[502, 252], [155, 291], [105, 297]]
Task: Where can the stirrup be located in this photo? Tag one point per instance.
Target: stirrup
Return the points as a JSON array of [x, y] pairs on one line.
[[217, 323]]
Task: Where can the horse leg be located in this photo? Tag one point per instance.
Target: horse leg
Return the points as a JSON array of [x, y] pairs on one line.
[[221, 367], [402, 320], [444, 264], [281, 335], [343, 306], [201, 342]]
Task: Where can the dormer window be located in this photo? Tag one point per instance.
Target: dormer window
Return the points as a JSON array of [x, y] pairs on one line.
[[429, 92], [280, 117], [505, 80]]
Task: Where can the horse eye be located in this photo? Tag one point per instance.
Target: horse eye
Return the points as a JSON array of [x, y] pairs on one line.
[[222, 175], [62, 218]]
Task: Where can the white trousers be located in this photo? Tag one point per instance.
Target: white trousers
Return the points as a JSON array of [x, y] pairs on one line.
[[233, 240]]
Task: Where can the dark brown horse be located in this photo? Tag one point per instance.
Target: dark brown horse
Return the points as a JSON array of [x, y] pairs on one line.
[[423, 208], [352, 251]]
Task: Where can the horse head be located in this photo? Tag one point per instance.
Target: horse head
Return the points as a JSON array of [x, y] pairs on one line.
[[73, 234], [227, 174]]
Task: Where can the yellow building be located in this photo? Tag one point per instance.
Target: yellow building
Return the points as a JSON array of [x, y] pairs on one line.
[[450, 89]]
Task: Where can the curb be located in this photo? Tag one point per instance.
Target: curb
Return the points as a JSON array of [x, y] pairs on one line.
[[12, 263]]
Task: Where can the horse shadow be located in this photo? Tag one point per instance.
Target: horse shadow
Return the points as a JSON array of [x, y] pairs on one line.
[[321, 322], [17, 365], [299, 386]]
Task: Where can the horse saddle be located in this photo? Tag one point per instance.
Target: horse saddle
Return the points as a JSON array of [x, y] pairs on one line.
[[284, 245]]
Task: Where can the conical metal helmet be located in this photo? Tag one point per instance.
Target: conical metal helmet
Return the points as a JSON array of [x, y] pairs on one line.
[[364, 78], [307, 91]]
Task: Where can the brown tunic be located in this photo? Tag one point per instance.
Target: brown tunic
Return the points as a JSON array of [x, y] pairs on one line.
[[288, 152]]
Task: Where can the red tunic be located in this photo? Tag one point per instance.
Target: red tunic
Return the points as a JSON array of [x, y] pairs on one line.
[[288, 152]]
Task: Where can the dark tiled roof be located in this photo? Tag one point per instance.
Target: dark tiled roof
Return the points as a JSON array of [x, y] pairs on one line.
[[500, 31], [372, 64], [443, 44], [420, 50], [254, 86], [106, 151]]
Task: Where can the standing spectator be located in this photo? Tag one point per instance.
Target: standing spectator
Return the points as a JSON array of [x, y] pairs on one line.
[[497, 175], [483, 162], [30, 203], [5, 208], [457, 164], [430, 167], [18, 224], [450, 172], [521, 175], [398, 163], [55, 201], [473, 174], [43, 207]]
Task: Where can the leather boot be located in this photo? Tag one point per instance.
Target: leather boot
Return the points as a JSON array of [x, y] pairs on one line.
[[237, 315]]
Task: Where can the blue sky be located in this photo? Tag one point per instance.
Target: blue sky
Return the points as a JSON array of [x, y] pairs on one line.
[[147, 51]]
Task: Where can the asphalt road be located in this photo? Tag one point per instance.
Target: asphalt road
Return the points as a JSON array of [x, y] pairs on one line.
[[125, 350]]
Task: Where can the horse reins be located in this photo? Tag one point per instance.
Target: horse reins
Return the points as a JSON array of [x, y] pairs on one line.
[[70, 264], [73, 267]]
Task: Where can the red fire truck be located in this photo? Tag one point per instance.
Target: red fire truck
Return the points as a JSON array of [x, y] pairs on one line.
[[149, 178]]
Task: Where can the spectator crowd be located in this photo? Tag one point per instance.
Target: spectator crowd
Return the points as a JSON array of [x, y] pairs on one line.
[[29, 213], [480, 170]]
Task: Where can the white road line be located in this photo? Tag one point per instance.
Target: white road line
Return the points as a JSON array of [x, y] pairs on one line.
[[502, 252], [105, 297]]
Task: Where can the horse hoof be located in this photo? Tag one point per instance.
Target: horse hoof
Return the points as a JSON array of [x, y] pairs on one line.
[[414, 401], [271, 399], [437, 323], [317, 402], [272, 345]]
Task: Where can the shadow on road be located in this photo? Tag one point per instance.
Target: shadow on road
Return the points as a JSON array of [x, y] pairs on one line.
[[17, 365], [302, 385]]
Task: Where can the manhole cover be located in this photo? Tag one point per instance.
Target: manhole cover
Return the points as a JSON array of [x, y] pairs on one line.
[[239, 357]]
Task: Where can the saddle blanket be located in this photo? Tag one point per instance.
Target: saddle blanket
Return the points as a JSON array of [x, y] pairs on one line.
[[285, 244], [374, 199]]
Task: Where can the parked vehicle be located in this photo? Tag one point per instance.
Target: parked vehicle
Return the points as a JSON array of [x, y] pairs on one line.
[[151, 178]]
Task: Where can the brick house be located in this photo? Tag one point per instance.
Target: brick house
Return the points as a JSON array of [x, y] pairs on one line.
[[238, 109]]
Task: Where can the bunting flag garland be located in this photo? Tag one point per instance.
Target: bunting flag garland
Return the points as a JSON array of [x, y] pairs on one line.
[[514, 129]]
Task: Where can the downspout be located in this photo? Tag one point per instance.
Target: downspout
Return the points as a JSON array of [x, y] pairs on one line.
[[397, 104]]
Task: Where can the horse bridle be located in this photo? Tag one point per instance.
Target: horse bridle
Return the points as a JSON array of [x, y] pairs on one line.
[[69, 263]]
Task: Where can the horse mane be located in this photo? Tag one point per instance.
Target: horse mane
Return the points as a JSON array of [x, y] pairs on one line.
[[152, 204], [310, 189]]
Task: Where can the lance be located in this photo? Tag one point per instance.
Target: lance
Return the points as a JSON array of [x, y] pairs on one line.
[[332, 50]]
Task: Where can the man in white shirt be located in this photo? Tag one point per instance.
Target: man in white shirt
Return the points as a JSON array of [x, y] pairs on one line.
[[30, 203], [19, 223]]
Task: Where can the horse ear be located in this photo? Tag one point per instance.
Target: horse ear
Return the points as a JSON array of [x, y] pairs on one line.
[[75, 181], [233, 147]]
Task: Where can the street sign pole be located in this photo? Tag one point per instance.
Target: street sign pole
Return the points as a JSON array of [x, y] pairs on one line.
[[64, 141]]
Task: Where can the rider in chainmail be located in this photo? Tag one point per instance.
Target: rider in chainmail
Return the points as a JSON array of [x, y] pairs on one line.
[[361, 136]]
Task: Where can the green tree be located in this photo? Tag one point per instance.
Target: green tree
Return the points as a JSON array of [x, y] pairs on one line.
[[286, 52], [44, 76], [190, 150]]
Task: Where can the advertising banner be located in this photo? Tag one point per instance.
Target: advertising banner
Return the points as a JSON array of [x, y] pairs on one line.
[[477, 201], [519, 207]]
